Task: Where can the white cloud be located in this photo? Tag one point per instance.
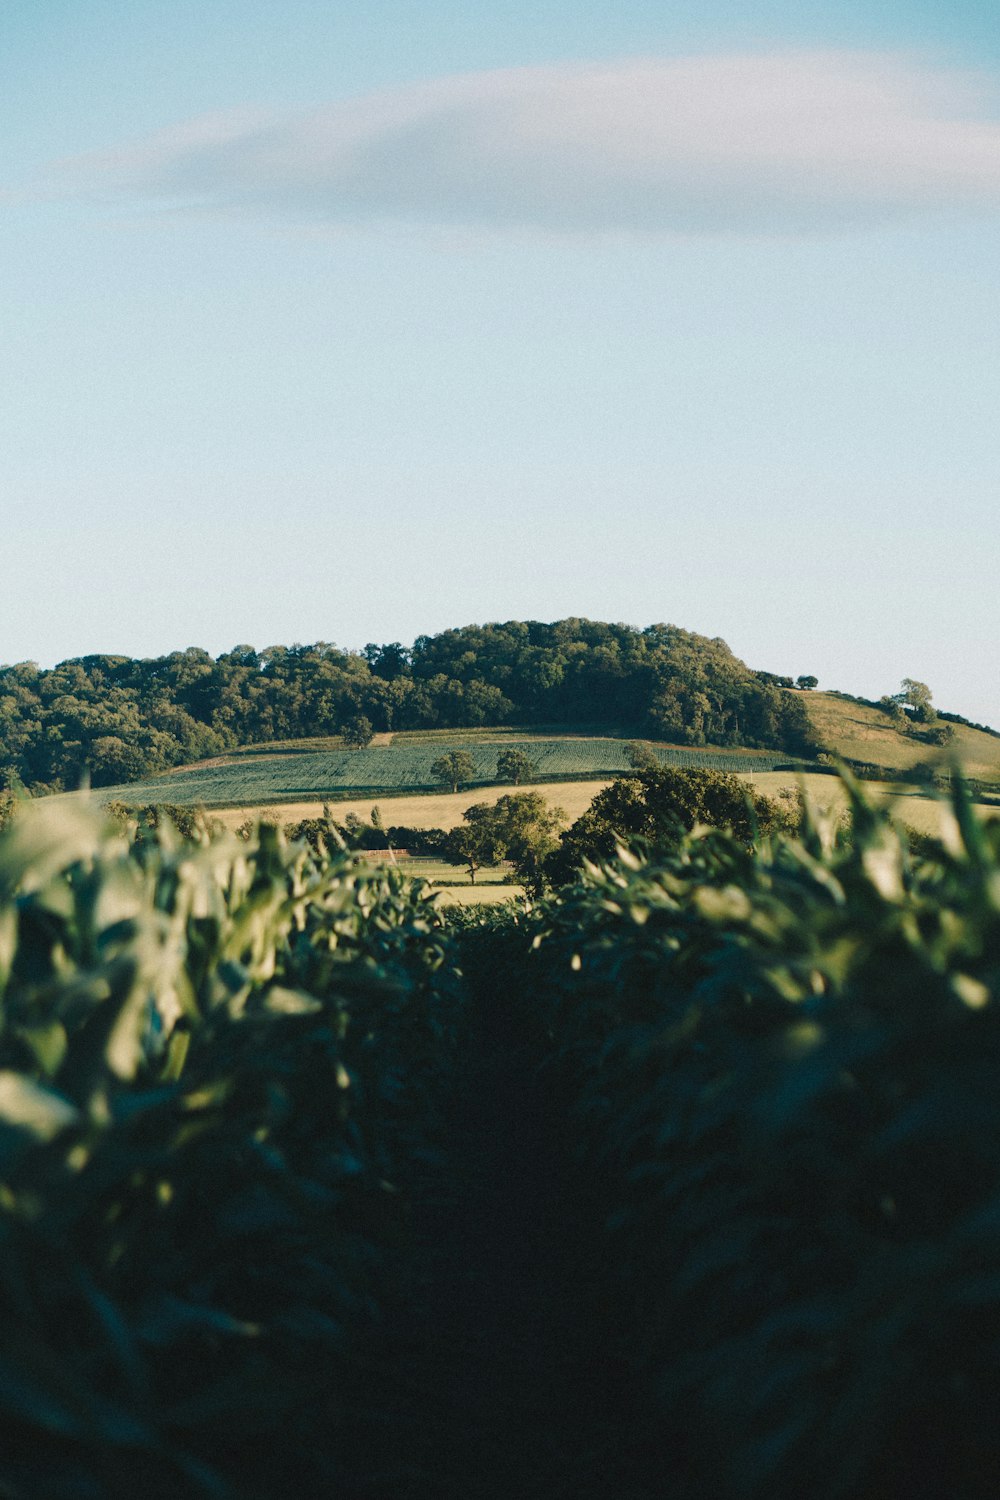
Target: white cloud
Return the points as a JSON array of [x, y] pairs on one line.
[[775, 143]]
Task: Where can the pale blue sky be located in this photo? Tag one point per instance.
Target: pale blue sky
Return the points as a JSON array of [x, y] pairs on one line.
[[527, 345]]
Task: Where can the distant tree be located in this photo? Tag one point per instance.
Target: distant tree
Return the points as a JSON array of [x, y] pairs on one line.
[[11, 782], [455, 769], [917, 696], [641, 756], [527, 831], [471, 845], [806, 682], [8, 806], [940, 734], [358, 732], [519, 827], [514, 764], [388, 662], [655, 808], [112, 760]]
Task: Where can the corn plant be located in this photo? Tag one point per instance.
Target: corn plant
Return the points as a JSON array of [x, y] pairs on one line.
[[218, 1065], [780, 1069]]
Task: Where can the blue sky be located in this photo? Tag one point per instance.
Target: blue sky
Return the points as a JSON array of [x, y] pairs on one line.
[[331, 322]]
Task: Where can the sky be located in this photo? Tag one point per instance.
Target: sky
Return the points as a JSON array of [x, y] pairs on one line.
[[326, 321]]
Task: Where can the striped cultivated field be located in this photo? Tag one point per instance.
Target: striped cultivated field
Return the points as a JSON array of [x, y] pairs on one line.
[[275, 777]]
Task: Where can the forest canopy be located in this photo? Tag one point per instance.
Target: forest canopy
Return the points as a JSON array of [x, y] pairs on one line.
[[116, 718]]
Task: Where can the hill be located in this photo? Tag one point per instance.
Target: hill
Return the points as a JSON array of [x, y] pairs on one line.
[[115, 719], [186, 726], [864, 733]]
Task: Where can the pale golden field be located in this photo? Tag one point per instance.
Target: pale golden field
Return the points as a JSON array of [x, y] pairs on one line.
[[922, 814], [432, 810], [445, 809]]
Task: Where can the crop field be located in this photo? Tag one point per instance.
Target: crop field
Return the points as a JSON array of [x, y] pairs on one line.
[[424, 810], [445, 809], [299, 776], [477, 895], [279, 1131]]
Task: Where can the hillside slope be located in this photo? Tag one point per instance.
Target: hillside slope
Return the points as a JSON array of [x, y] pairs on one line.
[[859, 732]]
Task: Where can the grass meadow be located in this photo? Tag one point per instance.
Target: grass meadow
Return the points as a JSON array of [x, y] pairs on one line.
[[866, 734]]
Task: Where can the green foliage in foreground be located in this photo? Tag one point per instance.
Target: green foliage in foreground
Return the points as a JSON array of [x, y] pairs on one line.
[[779, 1071], [770, 1081], [218, 1065]]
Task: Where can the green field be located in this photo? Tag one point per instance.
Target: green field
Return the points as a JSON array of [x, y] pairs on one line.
[[439, 871], [277, 776]]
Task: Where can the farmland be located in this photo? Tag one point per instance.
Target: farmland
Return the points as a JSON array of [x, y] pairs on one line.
[[445, 809], [274, 776], [907, 804], [423, 810]]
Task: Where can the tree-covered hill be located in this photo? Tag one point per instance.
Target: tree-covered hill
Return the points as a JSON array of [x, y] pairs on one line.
[[116, 718]]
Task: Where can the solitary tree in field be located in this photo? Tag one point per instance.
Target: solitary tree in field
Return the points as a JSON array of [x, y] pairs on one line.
[[358, 732], [806, 682], [8, 806], [454, 769], [514, 765], [471, 845], [527, 833], [918, 696], [519, 827], [641, 755]]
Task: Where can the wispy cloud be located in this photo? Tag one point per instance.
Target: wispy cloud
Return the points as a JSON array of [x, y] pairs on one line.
[[775, 143]]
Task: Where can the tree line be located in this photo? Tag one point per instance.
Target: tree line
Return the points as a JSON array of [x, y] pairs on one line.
[[116, 719]]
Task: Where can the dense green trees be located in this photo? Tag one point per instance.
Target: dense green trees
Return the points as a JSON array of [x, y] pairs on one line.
[[655, 808], [114, 718], [519, 827]]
